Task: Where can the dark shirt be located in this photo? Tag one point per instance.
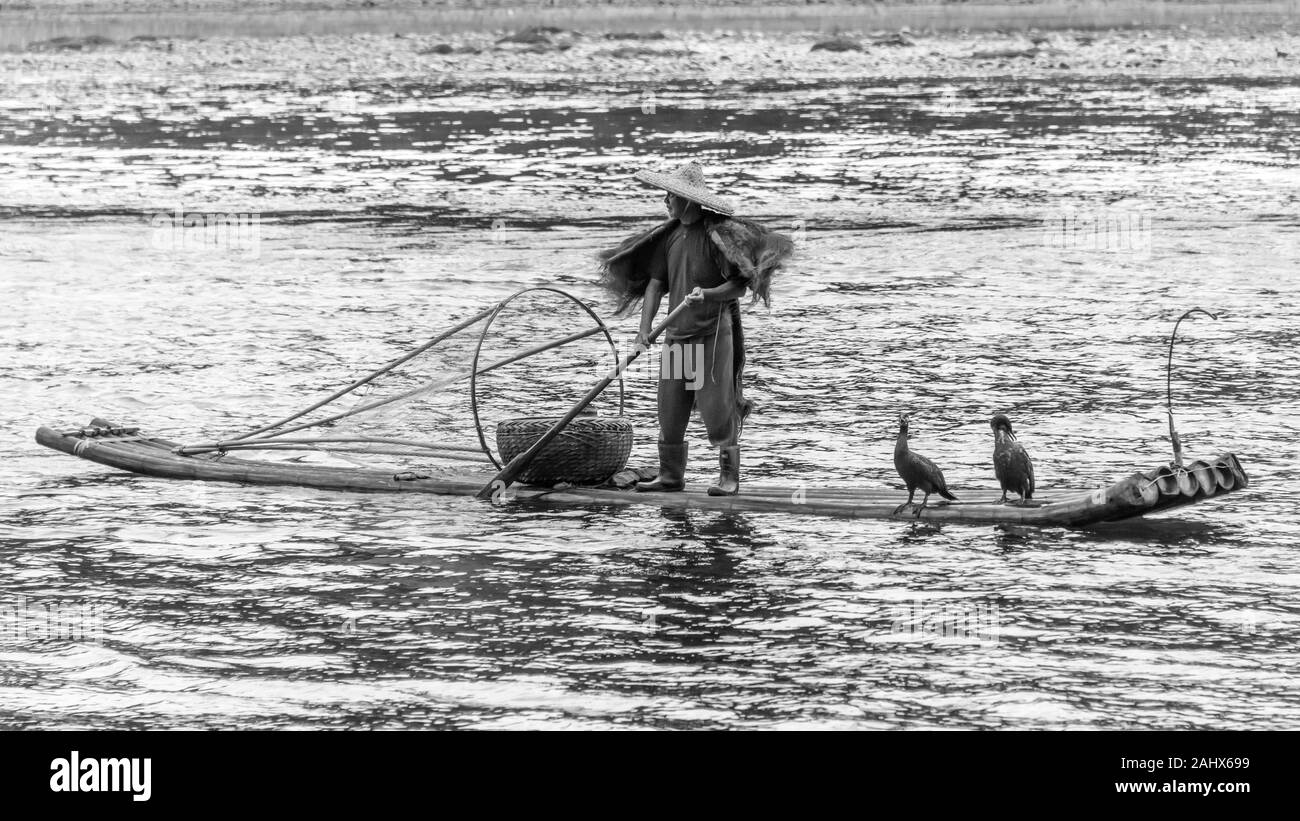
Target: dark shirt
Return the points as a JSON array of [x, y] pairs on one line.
[[688, 263]]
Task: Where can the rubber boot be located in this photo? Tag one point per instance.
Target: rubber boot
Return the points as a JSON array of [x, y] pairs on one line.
[[672, 469], [728, 483]]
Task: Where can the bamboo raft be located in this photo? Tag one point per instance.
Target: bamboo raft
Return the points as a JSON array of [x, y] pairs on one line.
[[1139, 494]]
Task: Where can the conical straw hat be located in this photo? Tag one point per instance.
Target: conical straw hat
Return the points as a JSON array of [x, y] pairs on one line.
[[687, 181]]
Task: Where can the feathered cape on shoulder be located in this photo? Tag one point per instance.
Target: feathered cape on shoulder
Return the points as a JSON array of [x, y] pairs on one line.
[[756, 252]]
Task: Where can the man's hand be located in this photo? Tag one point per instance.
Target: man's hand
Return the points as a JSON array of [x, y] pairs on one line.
[[642, 341], [695, 296]]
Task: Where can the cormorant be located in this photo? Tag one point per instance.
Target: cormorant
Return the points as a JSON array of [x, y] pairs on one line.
[[917, 471], [1011, 463]]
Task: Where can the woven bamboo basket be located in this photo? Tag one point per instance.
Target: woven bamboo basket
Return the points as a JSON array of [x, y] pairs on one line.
[[587, 452]]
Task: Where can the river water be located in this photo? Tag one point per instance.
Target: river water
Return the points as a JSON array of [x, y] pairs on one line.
[[974, 236]]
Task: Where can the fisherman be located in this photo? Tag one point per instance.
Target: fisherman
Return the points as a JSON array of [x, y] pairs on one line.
[[707, 258]]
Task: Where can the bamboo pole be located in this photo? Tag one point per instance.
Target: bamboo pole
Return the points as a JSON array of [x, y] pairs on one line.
[[256, 444], [441, 383], [477, 456], [378, 403], [480, 316]]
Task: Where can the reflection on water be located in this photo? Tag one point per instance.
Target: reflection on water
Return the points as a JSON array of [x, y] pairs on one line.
[[925, 280]]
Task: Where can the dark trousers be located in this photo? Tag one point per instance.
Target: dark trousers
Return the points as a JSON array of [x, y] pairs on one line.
[[699, 373]]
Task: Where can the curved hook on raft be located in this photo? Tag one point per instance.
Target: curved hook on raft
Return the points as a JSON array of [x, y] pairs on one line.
[[1169, 392]]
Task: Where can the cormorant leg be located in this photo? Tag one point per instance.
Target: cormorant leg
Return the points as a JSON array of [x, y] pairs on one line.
[[1003, 500], [910, 493], [917, 514]]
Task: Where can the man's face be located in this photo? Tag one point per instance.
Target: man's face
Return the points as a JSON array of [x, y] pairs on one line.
[[675, 205]]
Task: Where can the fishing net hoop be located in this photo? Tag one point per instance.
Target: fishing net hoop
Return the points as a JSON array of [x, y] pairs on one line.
[[501, 306]]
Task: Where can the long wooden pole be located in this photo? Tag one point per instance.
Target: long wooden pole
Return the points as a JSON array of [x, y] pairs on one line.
[[372, 375], [500, 363], [272, 445], [256, 444], [510, 472], [439, 383]]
